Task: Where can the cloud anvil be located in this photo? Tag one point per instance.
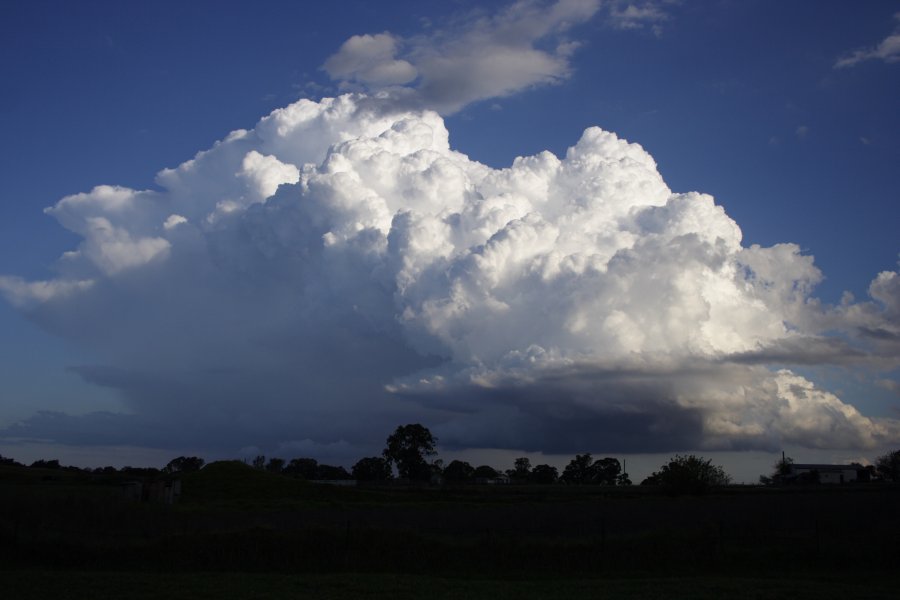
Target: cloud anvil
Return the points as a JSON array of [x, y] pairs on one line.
[[340, 258]]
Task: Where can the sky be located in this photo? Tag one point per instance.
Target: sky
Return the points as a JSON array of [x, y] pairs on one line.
[[539, 228]]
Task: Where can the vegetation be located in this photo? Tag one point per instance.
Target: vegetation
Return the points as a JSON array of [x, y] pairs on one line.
[[373, 468], [888, 466], [184, 464], [688, 474], [780, 470], [240, 531], [40, 585], [604, 471], [408, 447]]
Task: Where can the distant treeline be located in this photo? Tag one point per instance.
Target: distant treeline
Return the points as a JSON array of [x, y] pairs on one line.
[[410, 455]]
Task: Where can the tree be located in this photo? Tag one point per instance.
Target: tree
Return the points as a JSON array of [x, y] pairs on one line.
[[485, 472], [45, 464], [688, 474], [780, 471], [259, 462], [578, 470], [544, 474], [407, 448], [606, 471], [888, 466], [302, 467], [331, 473], [275, 465], [5, 460], [521, 469], [184, 464], [373, 468], [458, 471]]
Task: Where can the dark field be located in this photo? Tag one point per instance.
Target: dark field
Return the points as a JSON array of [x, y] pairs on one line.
[[239, 533]]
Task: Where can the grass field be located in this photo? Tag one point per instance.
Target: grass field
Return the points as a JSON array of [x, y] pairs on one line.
[[63, 585], [241, 533]]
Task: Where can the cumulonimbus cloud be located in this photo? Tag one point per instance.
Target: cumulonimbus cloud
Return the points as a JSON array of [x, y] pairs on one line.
[[339, 269]]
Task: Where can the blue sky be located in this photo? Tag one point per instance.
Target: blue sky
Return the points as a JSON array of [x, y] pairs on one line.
[[745, 101]]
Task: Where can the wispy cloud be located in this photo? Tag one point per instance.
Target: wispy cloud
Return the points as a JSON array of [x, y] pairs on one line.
[[650, 14], [887, 50], [482, 56]]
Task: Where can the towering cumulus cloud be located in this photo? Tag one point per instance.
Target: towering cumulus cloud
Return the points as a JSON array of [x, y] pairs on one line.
[[339, 269]]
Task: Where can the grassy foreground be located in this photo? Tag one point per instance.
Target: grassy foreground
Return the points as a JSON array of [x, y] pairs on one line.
[[238, 533], [69, 585]]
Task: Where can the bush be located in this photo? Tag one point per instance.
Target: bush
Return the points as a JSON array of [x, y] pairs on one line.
[[688, 474]]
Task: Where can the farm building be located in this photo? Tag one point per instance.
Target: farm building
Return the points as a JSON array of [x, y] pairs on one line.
[[812, 473]]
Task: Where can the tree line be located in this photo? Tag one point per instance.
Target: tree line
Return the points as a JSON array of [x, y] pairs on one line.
[[410, 454]]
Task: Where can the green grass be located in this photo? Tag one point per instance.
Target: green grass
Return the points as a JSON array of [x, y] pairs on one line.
[[65, 585]]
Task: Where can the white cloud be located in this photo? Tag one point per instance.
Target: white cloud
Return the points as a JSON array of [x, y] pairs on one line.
[[173, 221], [887, 50], [341, 259], [24, 294], [639, 14]]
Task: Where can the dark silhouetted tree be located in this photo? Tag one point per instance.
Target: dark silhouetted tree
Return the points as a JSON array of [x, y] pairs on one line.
[[259, 462], [184, 464], [407, 448], [888, 466], [45, 464], [9, 462], [688, 474], [302, 467], [544, 474], [485, 472], [579, 470], [606, 471], [331, 473], [458, 471], [780, 470], [275, 465], [373, 468], [521, 470]]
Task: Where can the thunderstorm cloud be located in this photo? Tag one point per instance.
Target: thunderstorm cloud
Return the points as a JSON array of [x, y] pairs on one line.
[[339, 269]]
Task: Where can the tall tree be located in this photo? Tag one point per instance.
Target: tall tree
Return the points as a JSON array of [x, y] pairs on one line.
[[521, 469], [407, 448], [606, 470], [578, 470]]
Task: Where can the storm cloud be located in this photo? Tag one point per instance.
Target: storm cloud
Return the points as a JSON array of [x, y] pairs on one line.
[[339, 269]]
